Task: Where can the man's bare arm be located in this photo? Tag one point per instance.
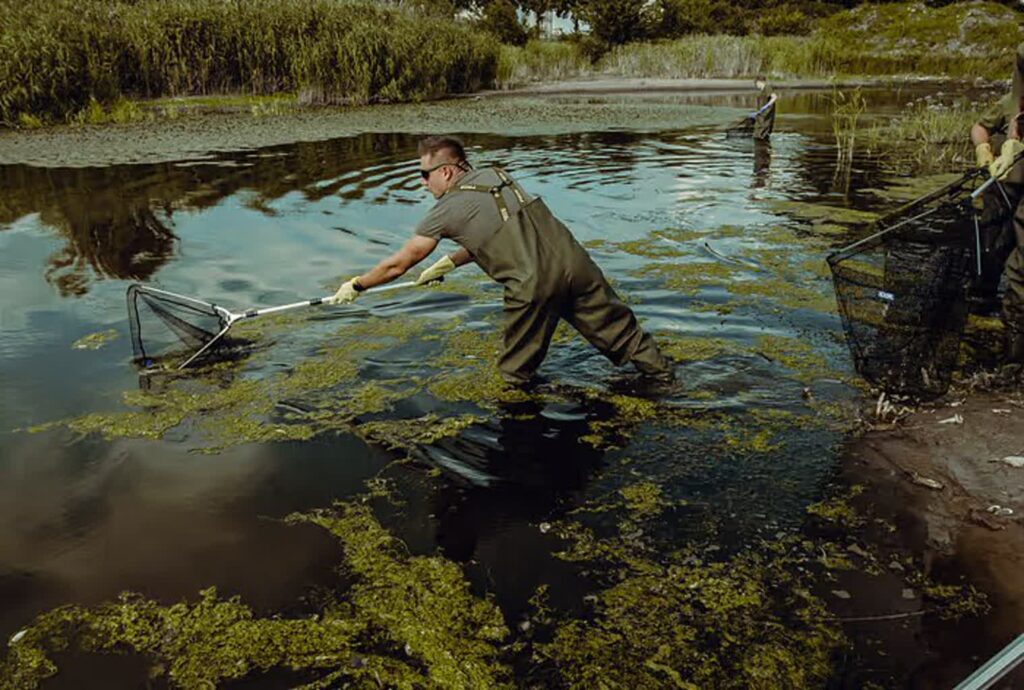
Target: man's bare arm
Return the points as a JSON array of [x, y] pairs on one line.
[[461, 257], [979, 135], [413, 252]]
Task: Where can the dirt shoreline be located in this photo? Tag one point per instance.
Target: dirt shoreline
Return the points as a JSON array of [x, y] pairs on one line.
[[707, 86], [939, 477]]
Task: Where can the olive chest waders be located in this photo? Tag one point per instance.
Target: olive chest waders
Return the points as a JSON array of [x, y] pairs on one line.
[[764, 124], [547, 275]]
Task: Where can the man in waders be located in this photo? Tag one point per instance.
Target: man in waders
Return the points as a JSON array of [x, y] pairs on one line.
[[517, 241], [1003, 250]]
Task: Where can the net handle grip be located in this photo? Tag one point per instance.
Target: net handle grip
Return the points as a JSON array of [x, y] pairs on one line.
[[981, 188]]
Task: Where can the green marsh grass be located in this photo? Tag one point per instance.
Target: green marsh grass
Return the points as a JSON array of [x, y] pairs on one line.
[[847, 107], [540, 61], [58, 57], [925, 138], [974, 39]]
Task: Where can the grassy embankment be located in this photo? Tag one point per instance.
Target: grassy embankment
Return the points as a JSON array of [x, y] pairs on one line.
[[62, 60], [975, 39], [95, 62]]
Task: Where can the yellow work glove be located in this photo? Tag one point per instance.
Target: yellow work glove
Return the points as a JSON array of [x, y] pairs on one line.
[[436, 271], [1002, 165], [346, 293], [983, 153]]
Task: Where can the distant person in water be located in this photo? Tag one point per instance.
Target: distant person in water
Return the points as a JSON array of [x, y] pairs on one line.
[[517, 241], [764, 116]]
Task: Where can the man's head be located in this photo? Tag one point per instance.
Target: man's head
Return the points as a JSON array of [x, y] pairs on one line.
[[760, 82], [442, 162]]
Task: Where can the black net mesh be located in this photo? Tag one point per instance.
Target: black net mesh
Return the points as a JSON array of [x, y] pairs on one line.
[[902, 295], [744, 127], [165, 326]]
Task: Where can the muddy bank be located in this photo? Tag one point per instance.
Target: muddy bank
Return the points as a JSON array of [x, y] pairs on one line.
[[939, 476], [649, 85]]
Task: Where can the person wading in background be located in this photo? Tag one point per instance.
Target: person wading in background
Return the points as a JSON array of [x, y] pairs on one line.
[[1003, 250], [517, 241], [764, 118]]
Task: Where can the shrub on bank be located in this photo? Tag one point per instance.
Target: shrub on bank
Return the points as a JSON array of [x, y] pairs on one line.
[[58, 56]]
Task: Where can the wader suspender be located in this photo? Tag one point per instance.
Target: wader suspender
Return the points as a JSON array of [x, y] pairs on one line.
[[495, 191]]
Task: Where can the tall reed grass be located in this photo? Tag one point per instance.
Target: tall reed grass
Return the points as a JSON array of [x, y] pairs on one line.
[[58, 56], [847, 107], [540, 61], [819, 55]]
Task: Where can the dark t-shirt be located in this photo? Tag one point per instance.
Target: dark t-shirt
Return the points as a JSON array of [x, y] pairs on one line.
[[469, 217]]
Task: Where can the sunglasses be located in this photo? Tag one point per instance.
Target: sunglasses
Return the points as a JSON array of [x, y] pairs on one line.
[[425, 172]]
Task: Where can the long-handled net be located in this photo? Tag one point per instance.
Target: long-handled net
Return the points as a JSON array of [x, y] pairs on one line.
[[902, 290], [745, 125], [166, 326], [177, 330]]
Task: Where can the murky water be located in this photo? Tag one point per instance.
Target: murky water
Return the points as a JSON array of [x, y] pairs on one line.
[[697, 230]]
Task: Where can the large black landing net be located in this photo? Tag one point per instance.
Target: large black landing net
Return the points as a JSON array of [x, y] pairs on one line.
[[169, 328], [902, 291]]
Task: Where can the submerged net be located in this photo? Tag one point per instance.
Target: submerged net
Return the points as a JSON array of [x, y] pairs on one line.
[[744, 127], [166, 326], [902, 294]]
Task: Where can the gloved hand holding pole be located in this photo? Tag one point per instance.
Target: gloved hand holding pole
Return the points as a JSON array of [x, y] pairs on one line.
[[983, 154], [436, 271], [1008, 153], [347, 293]]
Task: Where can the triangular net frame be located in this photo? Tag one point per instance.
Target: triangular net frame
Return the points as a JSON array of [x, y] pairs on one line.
[[167, 327]]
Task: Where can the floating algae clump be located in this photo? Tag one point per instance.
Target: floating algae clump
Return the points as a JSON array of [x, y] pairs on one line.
[[420, 602], [195, 645], [405, 434], [628, 412], [760, 441], [796, 355], [908, 188], [229, 407], [821, 213], [748, 622], [643, 500], [684, 348], [407, 622], [837, 510], [797, 285], [95, 341], [688, 277], [483, 386]]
